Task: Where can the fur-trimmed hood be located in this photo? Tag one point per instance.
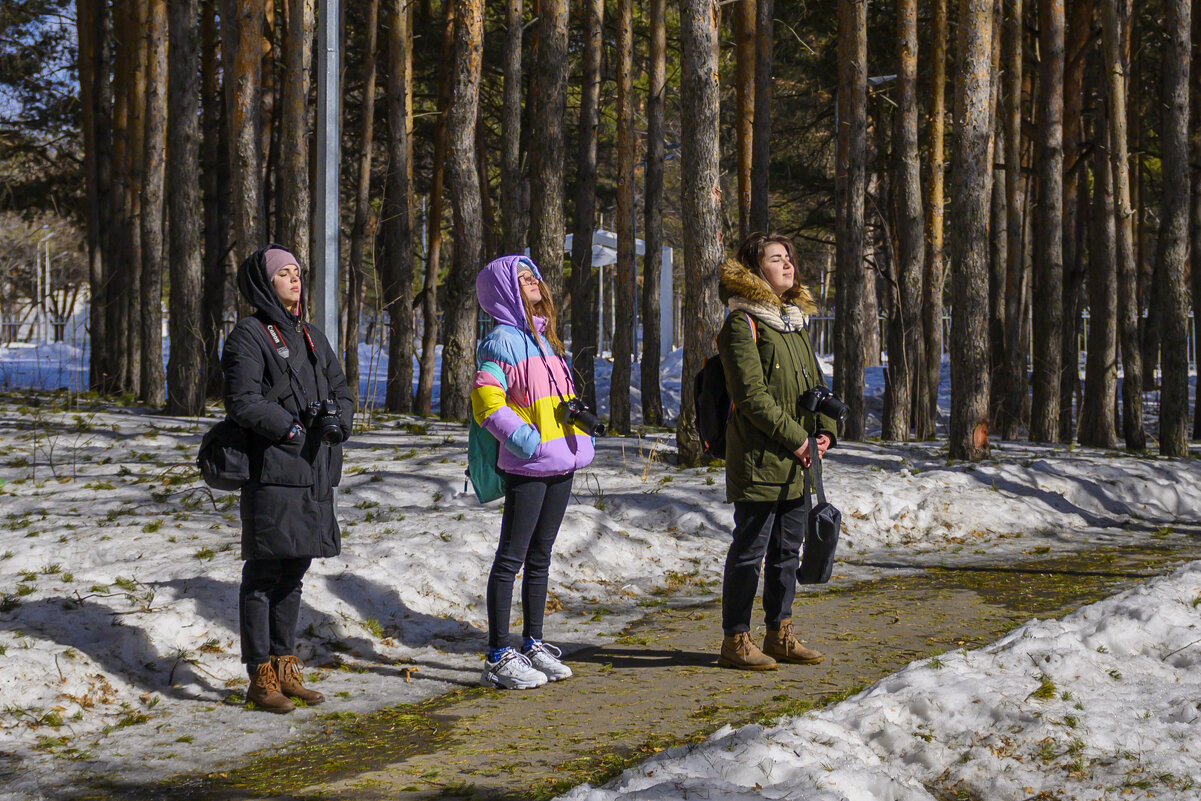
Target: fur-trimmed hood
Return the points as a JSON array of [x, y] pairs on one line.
[[736, 281]]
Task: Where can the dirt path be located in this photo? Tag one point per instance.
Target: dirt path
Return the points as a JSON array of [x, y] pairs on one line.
[[657, 685]]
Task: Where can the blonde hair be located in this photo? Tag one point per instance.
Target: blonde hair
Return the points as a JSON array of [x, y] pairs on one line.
[[544, 308]]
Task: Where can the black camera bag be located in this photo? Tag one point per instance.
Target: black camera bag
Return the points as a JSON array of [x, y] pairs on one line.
[[224, 456], [825, 523]]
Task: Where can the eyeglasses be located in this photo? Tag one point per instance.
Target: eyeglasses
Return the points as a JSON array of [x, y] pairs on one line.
[[529, 279]]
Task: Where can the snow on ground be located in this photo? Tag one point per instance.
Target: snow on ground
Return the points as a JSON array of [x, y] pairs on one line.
[[119, 575], [1105, 703]]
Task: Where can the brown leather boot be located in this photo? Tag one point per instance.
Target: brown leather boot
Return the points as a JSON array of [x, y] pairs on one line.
[[288, 670], [782, 644], [739, 651], [264, 689]]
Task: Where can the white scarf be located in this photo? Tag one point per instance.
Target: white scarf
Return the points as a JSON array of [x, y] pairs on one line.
[[786, 317]]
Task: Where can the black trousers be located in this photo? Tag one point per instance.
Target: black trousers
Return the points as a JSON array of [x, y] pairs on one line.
[[534, 509], [268, 607], [770, 533]]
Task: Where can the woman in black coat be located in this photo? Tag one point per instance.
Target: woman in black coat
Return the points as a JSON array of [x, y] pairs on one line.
[[295, 462]]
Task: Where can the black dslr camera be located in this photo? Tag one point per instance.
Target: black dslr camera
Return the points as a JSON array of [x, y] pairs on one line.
[[322, 417], [820, 400], [575, 413]]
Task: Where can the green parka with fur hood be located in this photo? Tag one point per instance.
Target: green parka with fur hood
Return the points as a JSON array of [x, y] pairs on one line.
[[766, 376]]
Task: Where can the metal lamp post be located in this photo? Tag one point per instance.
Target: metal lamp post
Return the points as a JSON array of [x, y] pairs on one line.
[[325, 217]]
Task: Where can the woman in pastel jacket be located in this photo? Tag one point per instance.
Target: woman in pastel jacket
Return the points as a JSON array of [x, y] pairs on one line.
[[769, 364], [519, 395]]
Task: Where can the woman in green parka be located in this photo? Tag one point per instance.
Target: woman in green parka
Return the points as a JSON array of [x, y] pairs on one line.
[[769, 364]]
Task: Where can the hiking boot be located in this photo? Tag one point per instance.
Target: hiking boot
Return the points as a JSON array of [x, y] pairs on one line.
[[511, 671], [782, 644], [545, 658], [287, 668], [264, 689], [739, 651]]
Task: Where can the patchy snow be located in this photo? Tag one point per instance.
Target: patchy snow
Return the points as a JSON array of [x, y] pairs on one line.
[[119, 576], [1102, 704]]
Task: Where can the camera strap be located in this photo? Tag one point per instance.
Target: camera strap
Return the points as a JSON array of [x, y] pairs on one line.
[[814, 473], [283, 352]]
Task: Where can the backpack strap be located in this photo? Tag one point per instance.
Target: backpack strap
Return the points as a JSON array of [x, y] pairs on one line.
[[754, 326]]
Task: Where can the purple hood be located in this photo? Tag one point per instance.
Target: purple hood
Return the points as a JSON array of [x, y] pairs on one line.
[[499, 292]]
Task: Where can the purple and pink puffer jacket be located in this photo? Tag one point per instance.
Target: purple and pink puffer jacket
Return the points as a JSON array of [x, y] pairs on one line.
[[522, 383]]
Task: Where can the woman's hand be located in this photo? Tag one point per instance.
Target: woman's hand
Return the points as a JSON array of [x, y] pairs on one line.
[[802, 453]]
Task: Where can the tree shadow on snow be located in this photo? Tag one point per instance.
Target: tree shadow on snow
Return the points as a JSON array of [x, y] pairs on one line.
[[119, 648]]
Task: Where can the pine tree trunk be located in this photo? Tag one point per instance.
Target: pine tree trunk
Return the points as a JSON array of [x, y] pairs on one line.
[[905, 321], [1195, 212], [1174, 221], [136, 132], [433, 256], [458, 352], [1048, 227], [118, 283], [1097, 424], [744, 108], [652, 399], [625, 269], [362, 204], [154, 151], [934, 274], [1075, 197], [547, 220], [998, 258], [1128, 322], [968, 430], [214, 167], [761, 143], [512, 199], [584, 314], [1013, 392], [292, 177], [395, 268], [701, 187], [92, 29], [850, 187], [242, 56], [186, 368]]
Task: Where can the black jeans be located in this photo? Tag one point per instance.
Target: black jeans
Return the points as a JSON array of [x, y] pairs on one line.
[[268, 607], [534, 509], [771, 530]]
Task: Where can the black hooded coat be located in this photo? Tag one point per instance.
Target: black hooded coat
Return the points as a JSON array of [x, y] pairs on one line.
[[288, 504]]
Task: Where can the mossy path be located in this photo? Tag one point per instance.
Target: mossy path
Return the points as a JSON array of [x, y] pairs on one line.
[[657, 685]]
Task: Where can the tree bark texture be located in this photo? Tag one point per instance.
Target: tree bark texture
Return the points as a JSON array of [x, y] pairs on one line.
[[761, 142], [118, 281], [584, 313], [292, 177], [1128, 316], [136, 133], [905, 322], [359, 232], [652, 399], [215, 182], [550, 107], [1048, 227], [701, 196], [186, 366], [1013, 392], [934, 273], [1195, 206], [1075, 199], [458, 351], [626, 267], [395, 267], [433, 256], [154, 254], [850, 188], [968, 430], [1174, 222], [998, 258], [1097, 422], [513, 199], [744, 105], [242, 57]]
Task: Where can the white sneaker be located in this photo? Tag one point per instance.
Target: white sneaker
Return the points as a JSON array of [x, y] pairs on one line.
[[511, 671], [545, 658]]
